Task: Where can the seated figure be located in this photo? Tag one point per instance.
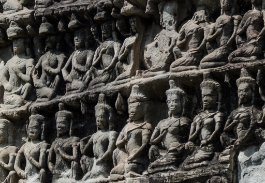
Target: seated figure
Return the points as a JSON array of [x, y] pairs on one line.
[[158, 54], [63, 159], [223, 35], [105, 59], [206, 126], [101, 143], [16, 73], [47, 72], [131, 153], [239, 130], [7, 153], [79, 62], [170, 135], [33, 153], [191, 43], [251, 27], [129, 60]]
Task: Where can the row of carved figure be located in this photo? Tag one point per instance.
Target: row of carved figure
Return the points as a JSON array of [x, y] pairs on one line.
[[108, 154], [199, 43]]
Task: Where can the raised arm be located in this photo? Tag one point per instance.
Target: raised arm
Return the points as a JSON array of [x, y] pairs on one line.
[[73, 157], [21, 173], [146, 133], [51, 158], [42, 158], [27, 76], [157, 136], [108, 154], [65, 72]]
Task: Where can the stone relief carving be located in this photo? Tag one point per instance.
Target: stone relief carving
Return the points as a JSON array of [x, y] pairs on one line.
[[190, 75], [250, 28], [101, 143], [64, 152], [80, 60], [7, 153], [47, 72], [206, 126], [159, 54], [15, 76], [132, 142], [33, 153], [170, 135]]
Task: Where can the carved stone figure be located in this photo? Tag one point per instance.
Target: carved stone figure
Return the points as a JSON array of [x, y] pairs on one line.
[[191, 42], [11, 6], [16, 73], [101, 143], [129, 60], [159, 55], [63, 159], [105, 58], [130, 157], [223, 35], [7, 153], [80, 60], [47, 72], [33, 153], [251, 28], [241, 123], [206, 126], [170, 135]]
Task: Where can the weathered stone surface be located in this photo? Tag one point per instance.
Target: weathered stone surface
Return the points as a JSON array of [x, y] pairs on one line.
[[132, 91]]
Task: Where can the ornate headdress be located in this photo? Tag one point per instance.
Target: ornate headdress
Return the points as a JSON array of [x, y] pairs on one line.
[[245, 78], [210, 83], [46, 28], [103, 106], [104, 8], [40, 119], [74, 23], [63, 112], [174, 89], [137, 95], [14, 31]]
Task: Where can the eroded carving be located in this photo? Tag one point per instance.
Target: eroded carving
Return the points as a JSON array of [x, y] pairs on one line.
[[34, 153]]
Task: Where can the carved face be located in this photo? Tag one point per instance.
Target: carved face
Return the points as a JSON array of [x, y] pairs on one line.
[[133, 24], [62, 125], [209, 98], [200, 16], [101, 119], [136, 110], [106, 29], [18, 46], [34, 129], [50, 42], [79, 39], [174, 104], [244, 93]]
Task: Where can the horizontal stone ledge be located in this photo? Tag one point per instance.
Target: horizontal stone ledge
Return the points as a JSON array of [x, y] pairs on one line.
[[126, 84]]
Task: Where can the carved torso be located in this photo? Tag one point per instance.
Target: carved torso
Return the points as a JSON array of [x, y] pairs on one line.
[[65, 144], [256, 24], [226, 23], [177, 129]]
